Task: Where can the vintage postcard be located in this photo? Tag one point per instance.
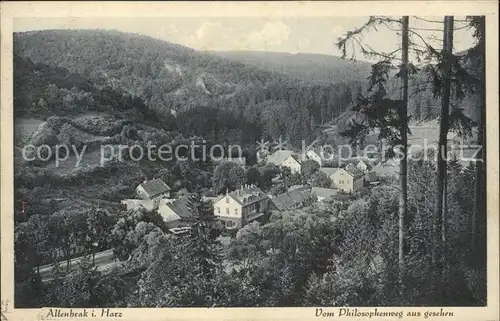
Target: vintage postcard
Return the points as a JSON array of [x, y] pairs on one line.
[[249, 161]]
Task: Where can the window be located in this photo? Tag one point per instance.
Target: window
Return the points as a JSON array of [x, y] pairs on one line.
[[235, 211], [227, 210], [227, 200], [218, 210]]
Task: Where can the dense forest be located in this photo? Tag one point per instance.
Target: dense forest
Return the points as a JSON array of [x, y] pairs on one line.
[[93, 88], [307, 257], [40, 89], [170, 79], [315, 68], [277, 93]]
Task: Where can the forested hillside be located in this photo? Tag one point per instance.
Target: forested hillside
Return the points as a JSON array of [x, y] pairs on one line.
[[96, 92], [248, 96], [167, 76], [423, 106], [320, 69], [170, 78], [40, 89], [285, 95], [313, 67], [53, 106]]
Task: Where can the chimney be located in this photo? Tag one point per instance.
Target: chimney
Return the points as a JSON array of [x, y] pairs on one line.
[[227, 191]]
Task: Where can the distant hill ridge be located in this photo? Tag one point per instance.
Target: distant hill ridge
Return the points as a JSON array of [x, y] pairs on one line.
[[169, 76], [163, 74], [309, 66], [282, 94]]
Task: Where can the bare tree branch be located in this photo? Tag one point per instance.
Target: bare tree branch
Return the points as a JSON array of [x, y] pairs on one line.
[[435, 21]]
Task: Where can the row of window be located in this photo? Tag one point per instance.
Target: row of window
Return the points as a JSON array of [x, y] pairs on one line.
[[341, 181], [228, 211], [252, 207]]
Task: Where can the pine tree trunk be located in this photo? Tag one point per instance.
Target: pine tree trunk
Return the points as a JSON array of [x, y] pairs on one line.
[[444, 228], [445, 212], [438, 221], [403, 164], [478, 228], [478, 224]]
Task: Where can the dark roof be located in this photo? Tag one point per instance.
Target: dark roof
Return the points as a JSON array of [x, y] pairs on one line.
[[382, 171], [183, 207], [245, 195], [292, 197], [323, 192], [177, 224], [349, 161], [371, 176], [155, 187], [367, 163], [279, 156], [354, 171], [329, 171]]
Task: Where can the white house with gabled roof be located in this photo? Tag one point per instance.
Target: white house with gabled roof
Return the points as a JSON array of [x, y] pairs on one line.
[[149, 194], [285, 158], [315, 155], [153, 189], [349, 179]]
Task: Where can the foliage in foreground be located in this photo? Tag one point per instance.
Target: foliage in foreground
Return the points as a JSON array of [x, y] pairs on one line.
[[308, 257]]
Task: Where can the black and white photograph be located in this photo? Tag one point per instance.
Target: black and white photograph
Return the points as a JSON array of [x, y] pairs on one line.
[[292, 161]]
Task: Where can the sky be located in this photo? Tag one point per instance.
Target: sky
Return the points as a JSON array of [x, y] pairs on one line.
[[289, 34]]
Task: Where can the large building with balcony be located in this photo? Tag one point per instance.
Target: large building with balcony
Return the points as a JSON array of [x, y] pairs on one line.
[[242, 206]]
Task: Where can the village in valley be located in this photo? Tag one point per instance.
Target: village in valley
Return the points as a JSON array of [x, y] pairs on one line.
[[248, 203], [315, 178], [315, 184], [323, 185]]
